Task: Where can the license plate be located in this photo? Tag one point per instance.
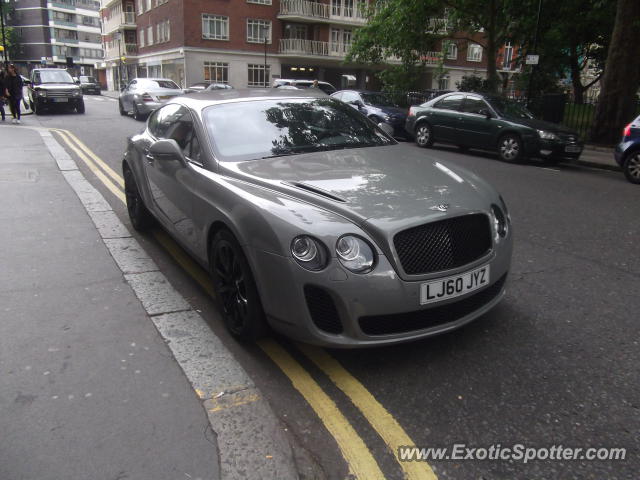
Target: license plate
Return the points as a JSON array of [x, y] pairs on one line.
[[60, 99], [454, 286], [572, 149], [165, 97]]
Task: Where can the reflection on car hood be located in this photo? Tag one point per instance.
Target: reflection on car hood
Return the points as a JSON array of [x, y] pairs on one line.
[[387, 186], [401, 112], [542, 125]]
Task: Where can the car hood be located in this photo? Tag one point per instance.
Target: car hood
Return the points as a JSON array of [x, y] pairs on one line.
[[388, 187], [542, 125], [57, 86]]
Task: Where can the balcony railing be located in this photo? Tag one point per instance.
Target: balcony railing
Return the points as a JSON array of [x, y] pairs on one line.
[[304, 8], [294, 46], [131, 48]]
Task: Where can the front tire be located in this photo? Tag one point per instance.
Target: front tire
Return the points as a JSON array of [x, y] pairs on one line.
[[424, 135], [631, 167], [510, 148], [80, 107], [36, 108], [140, 217], [236, 288]]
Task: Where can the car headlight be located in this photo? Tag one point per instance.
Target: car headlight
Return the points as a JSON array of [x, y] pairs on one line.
[[42, 93], [547, 135], [77, 93], [355, 254], [499, 222], [309, 253]]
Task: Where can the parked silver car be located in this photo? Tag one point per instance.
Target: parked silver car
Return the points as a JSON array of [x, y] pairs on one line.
[[313, 220], [144, 95]]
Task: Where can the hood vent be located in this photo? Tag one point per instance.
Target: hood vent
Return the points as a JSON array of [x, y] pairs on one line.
[[315, 190]]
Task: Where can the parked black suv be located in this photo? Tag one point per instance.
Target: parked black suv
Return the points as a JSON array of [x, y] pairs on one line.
[[89, 85], [54, 87]]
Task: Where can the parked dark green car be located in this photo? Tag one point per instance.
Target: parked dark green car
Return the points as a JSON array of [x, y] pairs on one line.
[[488, 122]]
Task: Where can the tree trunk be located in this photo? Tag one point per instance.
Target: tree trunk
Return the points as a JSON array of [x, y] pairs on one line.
[[621, 78], [576, 81], [492, 70]]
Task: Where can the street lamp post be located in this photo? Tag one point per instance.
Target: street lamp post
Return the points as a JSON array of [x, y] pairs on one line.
[[4, 38], [265, 31]]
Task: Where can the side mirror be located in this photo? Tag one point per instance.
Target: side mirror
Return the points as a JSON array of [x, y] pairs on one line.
[[167, 147], [386, 128], [486, 113], [357, 103], [27, 83], [77, 82]]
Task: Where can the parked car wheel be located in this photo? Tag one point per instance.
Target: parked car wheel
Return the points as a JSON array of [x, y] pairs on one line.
[[510, 148], [236, 288], [631, 167], [424, 136], [36, 108], [140, 217], [123, 112], [80, 107], [136, 113]]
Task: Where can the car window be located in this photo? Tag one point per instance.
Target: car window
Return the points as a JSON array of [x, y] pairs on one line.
[[176, 122], [288, 126], [452, 102], [510, 109], [145, 83], [377, 99], [36, 77], [326, 88], [132, 85], [55, 76], [337, 95], [474, 105], [162, 119]]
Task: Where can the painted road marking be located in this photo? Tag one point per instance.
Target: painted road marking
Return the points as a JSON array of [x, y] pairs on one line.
[[353, 448], [358, 456], [378, 416]]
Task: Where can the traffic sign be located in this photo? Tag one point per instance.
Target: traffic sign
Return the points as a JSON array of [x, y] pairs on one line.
[[532, 59]]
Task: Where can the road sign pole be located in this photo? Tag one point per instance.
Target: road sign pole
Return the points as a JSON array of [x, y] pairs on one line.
[[4, 38], [535, 50]]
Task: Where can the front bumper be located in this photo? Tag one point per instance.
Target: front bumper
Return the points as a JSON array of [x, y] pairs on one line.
[[620, 151], [556, 149], [380, 296], [59, 101]]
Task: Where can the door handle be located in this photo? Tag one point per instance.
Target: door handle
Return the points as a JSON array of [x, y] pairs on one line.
[[150, 158]]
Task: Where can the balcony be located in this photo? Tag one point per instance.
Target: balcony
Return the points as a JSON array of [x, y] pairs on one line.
[[315, 12], [118, 22], [131, 48], [295, 47], [129, 18]]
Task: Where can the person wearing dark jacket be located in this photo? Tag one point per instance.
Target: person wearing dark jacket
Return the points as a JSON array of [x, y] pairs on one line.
[[2, 92], [13, 90]]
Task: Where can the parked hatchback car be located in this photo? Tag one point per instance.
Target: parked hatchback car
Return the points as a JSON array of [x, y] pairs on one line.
[[318, 223], [471, 120], [89, 85], [377, 106], [144, 95], [627, 152], [326, 87], [54, 87]]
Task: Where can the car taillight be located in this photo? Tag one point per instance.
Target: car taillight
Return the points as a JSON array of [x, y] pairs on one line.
[[412, 112], [627, 131], [147, 98]]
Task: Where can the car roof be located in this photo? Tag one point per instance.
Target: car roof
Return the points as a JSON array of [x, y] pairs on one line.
[[299, 80], [206, 98]]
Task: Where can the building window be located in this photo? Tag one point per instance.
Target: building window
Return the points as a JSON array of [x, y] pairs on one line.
[[149, 5], [141, 37], [474, 52], [149, 35], [161, 2], [295, 31], [217, 72], [340, 40], [443, 82], [163, 31], [140, 7], [260, 2], [258, 75], [451, 50], [215, 27], [508, 56], [258, 30]]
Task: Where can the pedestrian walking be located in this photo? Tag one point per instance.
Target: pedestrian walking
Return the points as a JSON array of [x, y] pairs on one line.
[[2, 97], [13, 90]]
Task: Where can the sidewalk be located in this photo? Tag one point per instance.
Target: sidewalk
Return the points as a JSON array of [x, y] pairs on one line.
[[91, 389]]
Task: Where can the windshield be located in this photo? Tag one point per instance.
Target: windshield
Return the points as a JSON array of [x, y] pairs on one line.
[[87, 79], [159, 84], [377, 99], [286, 127], [509, 108], [55, 76]]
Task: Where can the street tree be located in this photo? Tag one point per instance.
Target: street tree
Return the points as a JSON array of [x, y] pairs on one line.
[[621, 79]]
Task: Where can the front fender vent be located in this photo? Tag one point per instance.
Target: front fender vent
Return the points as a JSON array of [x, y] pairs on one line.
[[315, 190]]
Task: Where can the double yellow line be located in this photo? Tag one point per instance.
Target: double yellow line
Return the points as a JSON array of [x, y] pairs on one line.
[[362, 464]]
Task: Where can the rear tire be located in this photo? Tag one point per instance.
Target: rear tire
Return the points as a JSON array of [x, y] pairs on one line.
[[136, 113], [140, 217], [236, 289], [510, 148], [424, 135], [631, 167]]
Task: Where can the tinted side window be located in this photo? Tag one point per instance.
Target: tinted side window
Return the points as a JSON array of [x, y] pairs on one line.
[[474, 105], [338, 95], [162, 120], [452, 102], [350, 97], [175, 122]]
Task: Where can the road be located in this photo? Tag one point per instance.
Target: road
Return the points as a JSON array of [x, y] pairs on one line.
[[557, 362]]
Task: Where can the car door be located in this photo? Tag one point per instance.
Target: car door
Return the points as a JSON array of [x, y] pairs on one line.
[[170, 178], [443, 117], [475, 127]]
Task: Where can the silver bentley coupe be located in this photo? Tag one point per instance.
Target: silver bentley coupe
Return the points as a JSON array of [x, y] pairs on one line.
[[313, 221]]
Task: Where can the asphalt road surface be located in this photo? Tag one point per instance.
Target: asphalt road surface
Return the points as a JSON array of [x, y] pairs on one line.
[[556, 363]]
